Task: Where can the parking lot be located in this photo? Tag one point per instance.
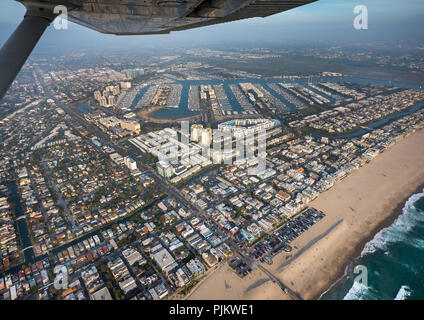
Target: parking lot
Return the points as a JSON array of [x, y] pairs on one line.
[[281, 238], [240, 267]]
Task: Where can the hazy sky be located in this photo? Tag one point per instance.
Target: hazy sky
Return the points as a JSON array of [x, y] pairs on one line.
[[322, 20]]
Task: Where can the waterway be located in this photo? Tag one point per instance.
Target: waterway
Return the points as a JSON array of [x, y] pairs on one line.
[[184, 111], [21, 223], [371, 126], [29, 253]]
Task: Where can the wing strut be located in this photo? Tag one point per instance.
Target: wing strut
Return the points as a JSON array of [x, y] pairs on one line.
[[18, 47]]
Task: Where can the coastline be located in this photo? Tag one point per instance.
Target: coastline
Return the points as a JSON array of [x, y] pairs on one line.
[[224, 284], [367, 201], [387, 222]]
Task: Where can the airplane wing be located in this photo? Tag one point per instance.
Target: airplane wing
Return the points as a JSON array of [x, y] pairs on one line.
[[130, 17], [127, 17]]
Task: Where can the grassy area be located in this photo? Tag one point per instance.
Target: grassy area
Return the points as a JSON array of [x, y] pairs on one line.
[[110, 281]]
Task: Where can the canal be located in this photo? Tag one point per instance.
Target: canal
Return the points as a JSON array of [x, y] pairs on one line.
[[21, 223], [371, 126]]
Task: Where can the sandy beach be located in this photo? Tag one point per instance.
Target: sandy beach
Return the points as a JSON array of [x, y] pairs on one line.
[[356, 209], [224, 284]]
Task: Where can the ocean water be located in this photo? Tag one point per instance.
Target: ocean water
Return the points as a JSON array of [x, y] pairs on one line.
[[394, 260]]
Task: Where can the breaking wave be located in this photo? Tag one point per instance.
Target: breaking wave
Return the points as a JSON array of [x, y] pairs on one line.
[[400, 229], [356, 292], [403, 293], [359, 291]]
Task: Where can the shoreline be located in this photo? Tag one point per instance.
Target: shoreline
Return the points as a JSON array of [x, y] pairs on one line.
[[369, 200], [387, 222]]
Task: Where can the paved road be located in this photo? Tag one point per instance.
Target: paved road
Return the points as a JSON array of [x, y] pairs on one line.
[[173, 191]]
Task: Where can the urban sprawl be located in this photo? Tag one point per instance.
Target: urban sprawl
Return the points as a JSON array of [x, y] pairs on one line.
[[86, 181]]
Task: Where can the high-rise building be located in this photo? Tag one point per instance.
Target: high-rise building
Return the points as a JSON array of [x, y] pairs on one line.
[[97, 95], [111, 101], [130, 163], [103, 102], [196, 132], [165, 169], [206, 137], [115, 90], [108, 89]]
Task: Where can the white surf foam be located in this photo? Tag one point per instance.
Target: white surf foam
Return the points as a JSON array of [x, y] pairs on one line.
[[403, 293], [398, 231], [356, 292]]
